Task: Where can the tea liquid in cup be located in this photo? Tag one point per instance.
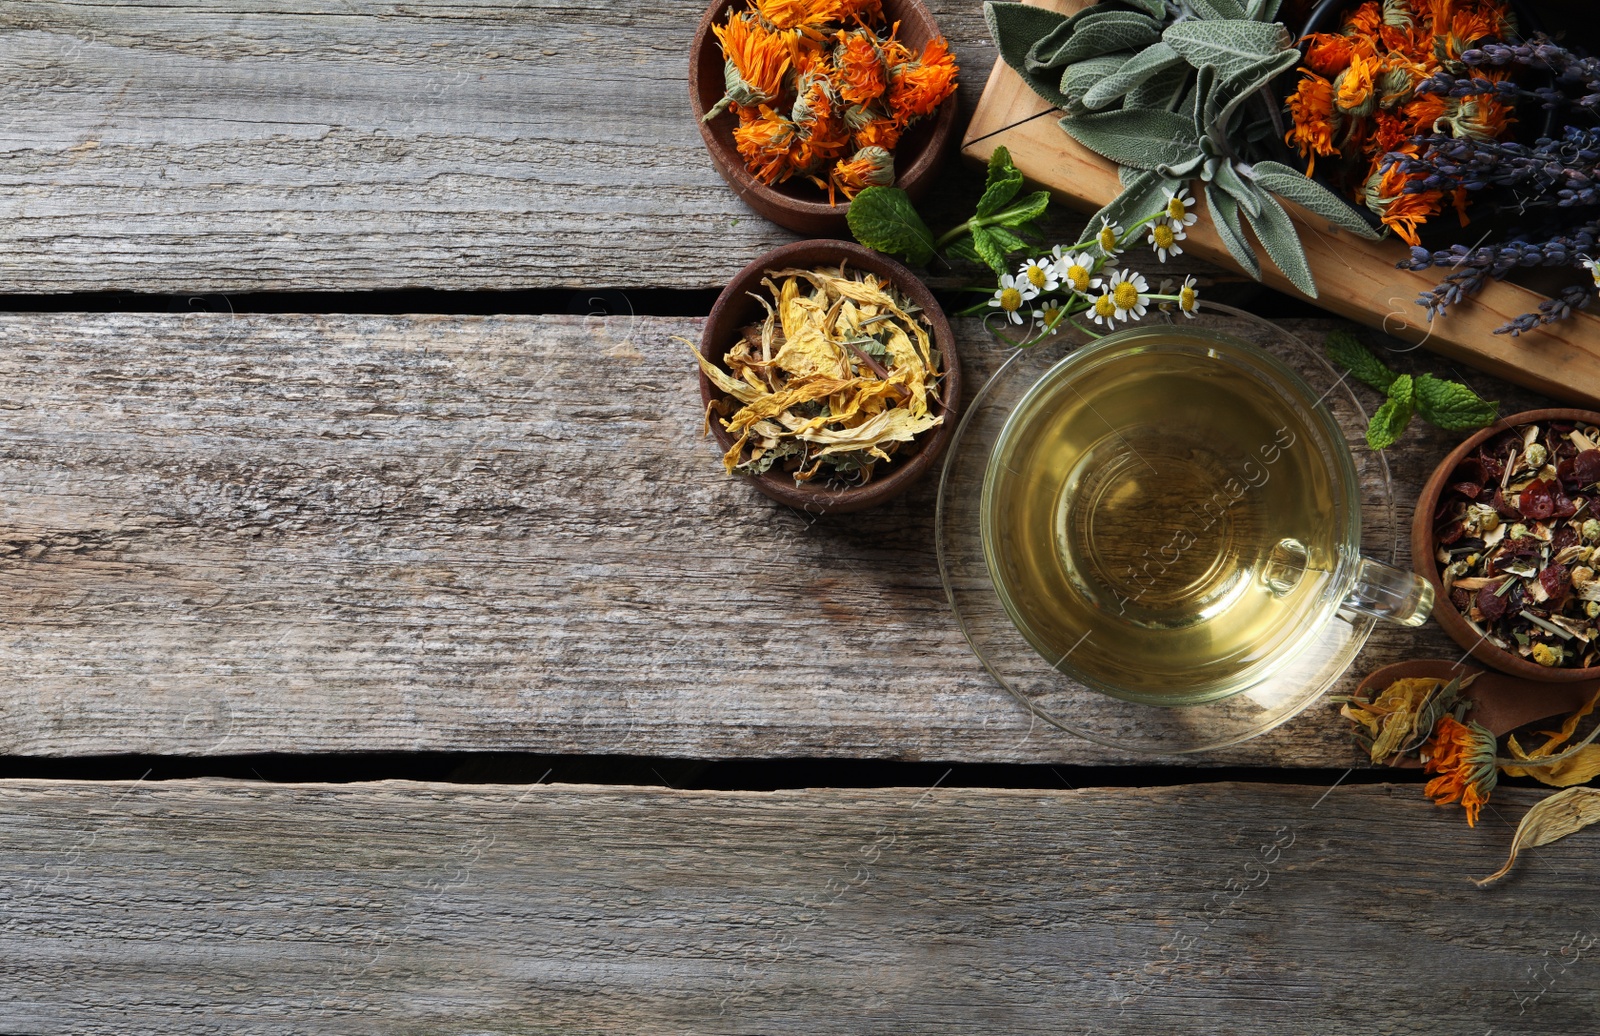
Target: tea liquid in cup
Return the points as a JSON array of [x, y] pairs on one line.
[[1169, 516]]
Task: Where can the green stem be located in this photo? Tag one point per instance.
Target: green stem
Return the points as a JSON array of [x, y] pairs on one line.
[[949, 236]]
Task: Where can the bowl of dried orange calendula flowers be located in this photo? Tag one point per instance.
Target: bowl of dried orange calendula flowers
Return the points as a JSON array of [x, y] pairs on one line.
[[805, 103], [829, 376]]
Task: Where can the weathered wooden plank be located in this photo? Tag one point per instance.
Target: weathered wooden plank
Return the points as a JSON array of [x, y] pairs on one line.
[[209, 906], [336, 533], [258, 145]]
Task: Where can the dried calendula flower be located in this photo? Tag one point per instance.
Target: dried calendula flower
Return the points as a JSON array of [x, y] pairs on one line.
[[1463, 755], [838, 376]]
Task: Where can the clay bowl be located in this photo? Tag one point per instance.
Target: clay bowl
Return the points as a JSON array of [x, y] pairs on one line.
[[1424, 564], [735, 309], [799, 204]]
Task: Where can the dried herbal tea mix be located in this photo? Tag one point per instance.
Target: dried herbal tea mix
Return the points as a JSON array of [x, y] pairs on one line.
[[1518, 538], [833, 383]]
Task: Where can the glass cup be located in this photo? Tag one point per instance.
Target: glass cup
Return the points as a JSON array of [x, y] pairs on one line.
[[1170, 516]]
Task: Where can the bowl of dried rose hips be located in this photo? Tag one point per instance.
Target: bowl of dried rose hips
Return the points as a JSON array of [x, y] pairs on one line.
[[1508, 532], [805, 103]]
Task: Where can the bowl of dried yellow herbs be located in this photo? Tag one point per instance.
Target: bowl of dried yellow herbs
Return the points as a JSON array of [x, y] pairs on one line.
[[829, 376]]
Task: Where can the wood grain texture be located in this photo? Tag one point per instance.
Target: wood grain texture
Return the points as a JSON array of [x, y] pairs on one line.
[[339, 533], [215, 907], [1355, 278], [260, 145]]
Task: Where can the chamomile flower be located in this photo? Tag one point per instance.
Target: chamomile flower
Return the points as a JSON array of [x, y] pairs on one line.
[[1109, 237], [1177, 211], [1041, 273], [1128, 293], [1164, 238], [1075, 270], [1103, 310], [1051, 316], [1188, 297], [1593, 266], [1012, 293]]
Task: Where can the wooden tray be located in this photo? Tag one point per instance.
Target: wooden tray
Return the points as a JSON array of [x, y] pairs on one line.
[[1355, 278]]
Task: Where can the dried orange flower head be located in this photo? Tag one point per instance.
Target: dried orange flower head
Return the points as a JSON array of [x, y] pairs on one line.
[[918, 87], [1315, 121], [1355, 88], [862, 75], [1463, 755], [754, 61], [868, 167]]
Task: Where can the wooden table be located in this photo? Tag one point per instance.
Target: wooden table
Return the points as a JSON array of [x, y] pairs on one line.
[[384, 651]]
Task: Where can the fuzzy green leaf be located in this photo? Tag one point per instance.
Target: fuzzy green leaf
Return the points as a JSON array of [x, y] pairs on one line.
[[1015, 28], [1234, 48], [1154, 8], [1309, 194], [1451, 405], [988, 249], [1140, 137], [1218, 10], [883, 219], [1346, 350], [1263, 10], [1238, 90], [1153, 60], [1041, 52], [1078, 78], [1277, 235], [1240, 191], [1110, 33], [1163, 90], [1389, 423], [1225, 214], [1005, 180]]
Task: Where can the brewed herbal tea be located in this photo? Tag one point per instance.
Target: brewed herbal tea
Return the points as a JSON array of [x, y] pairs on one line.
[[1163, 520]]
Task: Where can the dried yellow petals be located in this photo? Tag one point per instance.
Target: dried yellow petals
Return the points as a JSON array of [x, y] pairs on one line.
[[1564, 813]]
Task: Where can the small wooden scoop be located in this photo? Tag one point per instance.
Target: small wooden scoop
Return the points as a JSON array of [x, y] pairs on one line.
[[1504, 703]]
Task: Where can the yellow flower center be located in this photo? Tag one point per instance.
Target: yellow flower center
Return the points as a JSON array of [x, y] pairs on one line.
[[1036, 276], [1108, 239], [1010, 300], [1078, 277], [1176, 209], [1186, 299], [1105, 307], [1164, 237], [1126, 295]]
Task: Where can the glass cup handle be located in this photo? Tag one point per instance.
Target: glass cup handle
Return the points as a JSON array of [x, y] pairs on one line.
[[1390, 594]]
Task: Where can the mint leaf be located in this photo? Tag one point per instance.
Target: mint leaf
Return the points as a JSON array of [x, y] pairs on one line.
[[1390, 421], [883, 219], [988, 249], [1028, 209], [1451, 405], [1348, 352], [1005, 180]]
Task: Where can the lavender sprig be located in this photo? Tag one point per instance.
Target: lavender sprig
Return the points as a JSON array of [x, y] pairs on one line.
[[1557, 307]]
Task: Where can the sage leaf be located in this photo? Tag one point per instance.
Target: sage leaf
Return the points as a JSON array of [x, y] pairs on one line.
[[1346, 350], [1004, 181], [1551, 819], [1310, 195], [1078, 78], [1218, 10], [883, 219], [1153, 60], [1277, 235], [988, 249], [1389, 423], [1154, 8], [1263, 10], [1229, 180], [1451, 405], [1239, 89], [1233, 48], [1015, 28], [1163, 90], [1117, 31], [1142, 137], [1045, 50], [1225, 215]]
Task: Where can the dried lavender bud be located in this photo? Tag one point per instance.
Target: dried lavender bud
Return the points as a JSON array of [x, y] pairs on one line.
[[1560, 307]]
